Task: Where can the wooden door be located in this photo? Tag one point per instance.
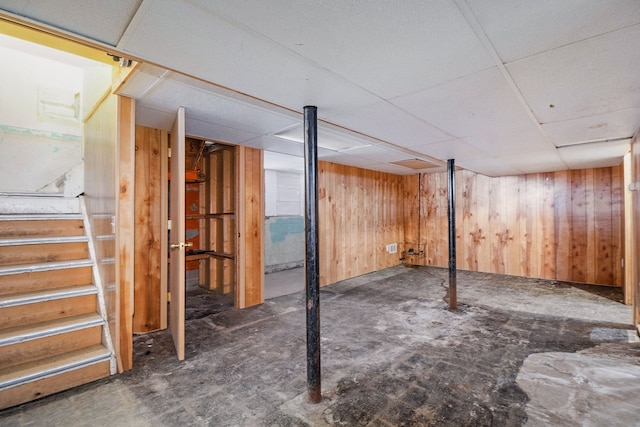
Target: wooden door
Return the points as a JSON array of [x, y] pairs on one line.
[[177, 235]]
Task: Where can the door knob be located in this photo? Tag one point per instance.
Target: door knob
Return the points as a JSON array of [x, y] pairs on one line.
[[181, 245]]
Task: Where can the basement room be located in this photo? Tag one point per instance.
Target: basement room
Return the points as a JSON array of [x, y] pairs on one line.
[[337, 213]]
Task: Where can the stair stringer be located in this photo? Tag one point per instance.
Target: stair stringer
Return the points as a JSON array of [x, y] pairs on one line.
[[97, 280]]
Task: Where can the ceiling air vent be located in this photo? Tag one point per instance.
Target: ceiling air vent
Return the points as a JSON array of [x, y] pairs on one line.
[[416, 164]]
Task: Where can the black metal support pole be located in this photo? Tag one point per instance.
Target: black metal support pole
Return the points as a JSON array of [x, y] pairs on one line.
[[312, 252], [453, 292]]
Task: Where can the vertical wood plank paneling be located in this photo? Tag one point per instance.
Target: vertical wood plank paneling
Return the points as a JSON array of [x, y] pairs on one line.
[[482, 236], [460, 213], [628, 232], [254, 287], [603, 232], [410, 210], [617, 218], [558, 225], [579, 226], [353, 211], [323, 225], [562, 225], [548, 227], [341, 208], [468, 203], [125, 226], [498, 235], [430, 223], [591, 224], [360, 212], [250, 248], [442, 214], [368, 222], [512, 222], [531, 230], [148, 230]]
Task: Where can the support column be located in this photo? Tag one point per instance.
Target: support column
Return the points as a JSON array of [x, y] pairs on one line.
[[451, 181], [312, 252]]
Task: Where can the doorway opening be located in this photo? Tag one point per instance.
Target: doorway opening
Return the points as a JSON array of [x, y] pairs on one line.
[[284, 224], [210, 227]]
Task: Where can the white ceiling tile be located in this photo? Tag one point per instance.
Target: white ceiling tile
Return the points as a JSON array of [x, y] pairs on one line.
[[541, 161], [137, 84], [594, 155], [452, 149], [376, 154], [468, 106], [388, 48], [488, 166], [619, 124], [279, 145], [207, 106], [505, 141], [344, 159], [217, 51], [100, 21], [394, 169], [215, 131], [593, 77], [153, 118], [389, 123], [521, 28]]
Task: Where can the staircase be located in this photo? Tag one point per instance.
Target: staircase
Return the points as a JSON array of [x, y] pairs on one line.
[[52, 334]]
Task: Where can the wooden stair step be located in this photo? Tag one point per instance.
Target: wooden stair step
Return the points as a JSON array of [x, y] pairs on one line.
[[43, 240], [38, 341], [22, 333], [43, 305], [44, 266], [29, 381], [10, 377], [32, 251], [34, 297]]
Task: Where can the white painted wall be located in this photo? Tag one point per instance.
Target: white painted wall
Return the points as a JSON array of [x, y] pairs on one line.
[[284, 223], [41, 148], [284, 193]]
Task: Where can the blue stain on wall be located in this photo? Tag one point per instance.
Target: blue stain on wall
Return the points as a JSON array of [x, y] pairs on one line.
[[281, 227]]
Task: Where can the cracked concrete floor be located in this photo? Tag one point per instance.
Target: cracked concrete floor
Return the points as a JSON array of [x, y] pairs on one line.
[[517, 352]]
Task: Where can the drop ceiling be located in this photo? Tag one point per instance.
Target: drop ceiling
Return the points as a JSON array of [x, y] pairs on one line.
[[502, 87]]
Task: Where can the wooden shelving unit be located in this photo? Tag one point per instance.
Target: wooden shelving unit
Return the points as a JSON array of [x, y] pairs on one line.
[[216, 246]]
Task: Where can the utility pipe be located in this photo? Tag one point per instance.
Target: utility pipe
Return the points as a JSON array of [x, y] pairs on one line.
[[451, 187], [312, 252]]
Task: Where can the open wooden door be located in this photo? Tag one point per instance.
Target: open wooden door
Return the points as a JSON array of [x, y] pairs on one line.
[[177, 235]]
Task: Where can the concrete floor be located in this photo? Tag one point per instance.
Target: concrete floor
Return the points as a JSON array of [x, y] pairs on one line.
[[518, 351], [284, 282]]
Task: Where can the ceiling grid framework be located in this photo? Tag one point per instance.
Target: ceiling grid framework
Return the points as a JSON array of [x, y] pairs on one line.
[[503, 87]]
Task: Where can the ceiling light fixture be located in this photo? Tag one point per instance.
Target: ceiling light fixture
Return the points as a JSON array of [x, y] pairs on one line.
[[326, 139], [597, 141]]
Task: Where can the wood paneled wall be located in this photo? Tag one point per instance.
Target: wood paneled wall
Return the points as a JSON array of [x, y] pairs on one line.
[[150, 211], [360, 212], [125, 226], [250, 226], [561, 225]]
